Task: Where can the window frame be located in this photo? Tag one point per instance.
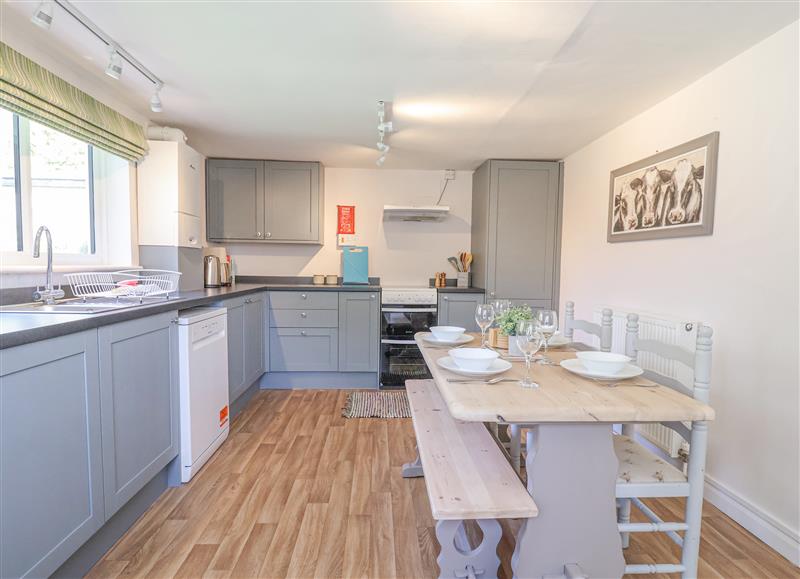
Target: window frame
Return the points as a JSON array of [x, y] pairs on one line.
[[23, 186]]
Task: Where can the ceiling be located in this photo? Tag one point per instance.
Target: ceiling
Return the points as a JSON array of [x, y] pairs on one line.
[[470, 81]]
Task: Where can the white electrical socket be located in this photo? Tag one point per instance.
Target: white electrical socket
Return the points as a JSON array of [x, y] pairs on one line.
[[450, 174]]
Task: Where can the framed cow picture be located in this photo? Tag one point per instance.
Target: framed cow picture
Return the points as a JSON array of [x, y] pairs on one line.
[[670, 194]]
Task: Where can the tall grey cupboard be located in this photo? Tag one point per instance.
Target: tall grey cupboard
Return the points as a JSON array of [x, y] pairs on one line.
[[516, 231]]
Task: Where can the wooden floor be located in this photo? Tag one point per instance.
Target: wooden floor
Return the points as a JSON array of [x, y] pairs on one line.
[[298, 491]]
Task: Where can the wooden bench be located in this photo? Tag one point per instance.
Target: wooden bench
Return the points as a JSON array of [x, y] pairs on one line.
[[468, 478]]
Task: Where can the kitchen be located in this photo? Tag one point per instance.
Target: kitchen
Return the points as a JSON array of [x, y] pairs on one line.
[[268, 270]]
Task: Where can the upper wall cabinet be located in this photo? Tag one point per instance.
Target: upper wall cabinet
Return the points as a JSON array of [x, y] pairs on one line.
[[516, 231], [270, 201], [170, 193]]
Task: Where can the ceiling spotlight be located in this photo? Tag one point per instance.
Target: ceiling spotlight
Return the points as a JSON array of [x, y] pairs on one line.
[[383, 147], [114, 68], [43, 17], [385, 127], [155, 100], [381, 160]]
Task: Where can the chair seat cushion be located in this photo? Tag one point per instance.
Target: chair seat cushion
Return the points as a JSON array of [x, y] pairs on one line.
[[638, 465]]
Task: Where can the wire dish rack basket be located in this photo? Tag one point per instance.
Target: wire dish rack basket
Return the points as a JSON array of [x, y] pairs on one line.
[[134, 283]]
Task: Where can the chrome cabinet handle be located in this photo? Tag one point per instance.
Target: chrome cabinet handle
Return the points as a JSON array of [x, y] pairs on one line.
[[372, 296], [304, 296], [446, 298], [302, 332], [268, 235], [491, 294], [303, 315], [248, 301], [258, 234]]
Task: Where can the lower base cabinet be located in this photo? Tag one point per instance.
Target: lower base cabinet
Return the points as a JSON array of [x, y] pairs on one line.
[[303, 350], [247, 341], [458, 309], [86, 421], [138, 403], [51, 495]]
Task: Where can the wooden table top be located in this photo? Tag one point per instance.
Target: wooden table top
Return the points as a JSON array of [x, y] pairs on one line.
[[562, 396]]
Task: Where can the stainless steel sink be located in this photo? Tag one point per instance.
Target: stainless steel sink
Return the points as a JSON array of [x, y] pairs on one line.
[[76, 306]]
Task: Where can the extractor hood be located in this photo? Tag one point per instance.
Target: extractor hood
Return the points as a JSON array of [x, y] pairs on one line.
[[412, 213]]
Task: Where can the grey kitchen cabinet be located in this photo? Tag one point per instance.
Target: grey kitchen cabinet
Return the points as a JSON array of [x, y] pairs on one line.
[[293, 198], [516, 230], [303, 350], [255, 340], [234, 199], [138, 403], [51, 496], [458, 309], [267, 201], [247, 345], [359, 331]]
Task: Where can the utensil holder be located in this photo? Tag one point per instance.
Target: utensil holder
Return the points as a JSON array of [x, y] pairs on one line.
[[463, 279]]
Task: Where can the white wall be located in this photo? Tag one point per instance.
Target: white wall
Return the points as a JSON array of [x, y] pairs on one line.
[[742, 280], [400, 253]]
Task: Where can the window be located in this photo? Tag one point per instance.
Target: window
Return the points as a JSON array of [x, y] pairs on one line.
[[50, 178]]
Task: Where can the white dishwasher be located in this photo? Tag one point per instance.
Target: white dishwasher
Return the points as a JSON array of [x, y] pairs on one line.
[[203, 364]]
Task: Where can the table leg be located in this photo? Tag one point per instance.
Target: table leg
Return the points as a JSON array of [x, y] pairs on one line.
[[572, 472]]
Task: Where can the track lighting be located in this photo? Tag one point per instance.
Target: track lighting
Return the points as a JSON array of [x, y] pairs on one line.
[[381, 160], [43, 16], [114, 68], [384, 127], [383, 147], [155, 100]]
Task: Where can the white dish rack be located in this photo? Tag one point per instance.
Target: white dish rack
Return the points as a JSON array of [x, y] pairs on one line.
[[129, 283]]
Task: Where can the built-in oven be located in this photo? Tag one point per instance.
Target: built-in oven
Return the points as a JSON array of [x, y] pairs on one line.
[[404, 312]]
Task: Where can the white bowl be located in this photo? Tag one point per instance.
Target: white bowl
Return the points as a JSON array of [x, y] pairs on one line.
[[447, 333], [474, 359], [603, 362]]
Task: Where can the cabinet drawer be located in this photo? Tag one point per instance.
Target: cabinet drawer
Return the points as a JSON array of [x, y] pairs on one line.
[[309, 300], [303, 318], [303, 350]]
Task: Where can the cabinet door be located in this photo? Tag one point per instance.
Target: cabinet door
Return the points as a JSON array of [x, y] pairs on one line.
[[138, 402], [292, 201], [50, 453], [458, 309], [523, 230], [359, 331], [235, 199], [254, 338], [236, 348], [298, 350]]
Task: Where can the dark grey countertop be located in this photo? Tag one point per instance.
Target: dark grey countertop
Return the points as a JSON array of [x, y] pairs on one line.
[[18, 329], [462, 290]]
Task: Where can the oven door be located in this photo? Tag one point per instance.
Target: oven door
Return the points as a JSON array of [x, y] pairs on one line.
[[399, 322], [401, 360]]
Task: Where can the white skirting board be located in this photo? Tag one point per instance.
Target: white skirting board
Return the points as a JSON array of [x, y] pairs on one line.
[[774, 533]]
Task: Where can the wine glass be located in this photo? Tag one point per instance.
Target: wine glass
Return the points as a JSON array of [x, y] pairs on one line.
[[500, 307], [547, 325], [529, 340], [484, 316]]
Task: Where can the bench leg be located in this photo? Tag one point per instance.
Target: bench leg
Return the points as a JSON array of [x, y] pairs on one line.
[[515, 436], [413, 469], [459, 559]]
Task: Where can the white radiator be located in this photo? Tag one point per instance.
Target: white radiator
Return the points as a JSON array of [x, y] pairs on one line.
[[664, 329]]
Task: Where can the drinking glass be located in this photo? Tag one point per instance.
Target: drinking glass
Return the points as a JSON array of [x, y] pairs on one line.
[[484, 316], [547, 325], [500, 307], [529, 340]]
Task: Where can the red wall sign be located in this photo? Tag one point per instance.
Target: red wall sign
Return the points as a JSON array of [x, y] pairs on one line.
[[346, 221]]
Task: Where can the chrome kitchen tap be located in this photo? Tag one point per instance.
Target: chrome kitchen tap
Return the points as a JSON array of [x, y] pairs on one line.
[[49, 294]]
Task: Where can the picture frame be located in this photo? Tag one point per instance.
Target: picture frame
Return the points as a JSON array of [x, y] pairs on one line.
[[667, 195]]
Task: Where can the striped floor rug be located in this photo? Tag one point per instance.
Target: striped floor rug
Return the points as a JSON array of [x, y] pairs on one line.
[[377, 405]]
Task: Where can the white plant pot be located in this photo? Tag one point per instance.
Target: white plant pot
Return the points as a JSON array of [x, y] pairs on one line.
[[513, 348]]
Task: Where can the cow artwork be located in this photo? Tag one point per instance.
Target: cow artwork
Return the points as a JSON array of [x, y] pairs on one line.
[[668, 195]]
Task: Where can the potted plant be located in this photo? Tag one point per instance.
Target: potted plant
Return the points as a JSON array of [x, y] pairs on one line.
[[507, 326]]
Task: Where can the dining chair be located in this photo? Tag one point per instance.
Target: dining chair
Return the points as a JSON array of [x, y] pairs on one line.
[[642, 474], [604, 330]]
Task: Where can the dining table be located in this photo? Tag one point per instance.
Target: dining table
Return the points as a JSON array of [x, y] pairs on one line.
[[571, 464]]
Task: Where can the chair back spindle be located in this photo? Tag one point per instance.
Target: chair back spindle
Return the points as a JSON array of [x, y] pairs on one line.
[[603, 330]]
